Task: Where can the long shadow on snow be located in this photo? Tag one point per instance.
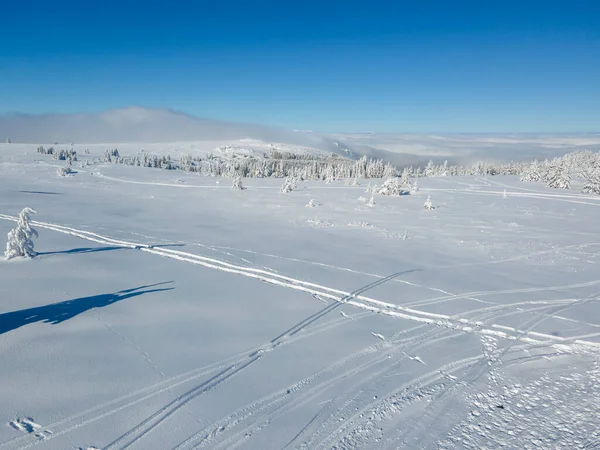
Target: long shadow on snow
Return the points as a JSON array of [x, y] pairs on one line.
[[101, 249], [59, 312]]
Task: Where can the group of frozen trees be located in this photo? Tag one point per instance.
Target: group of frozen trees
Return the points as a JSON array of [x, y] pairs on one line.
[[142, 159], [60, 154], [275, 164], [558, 172]]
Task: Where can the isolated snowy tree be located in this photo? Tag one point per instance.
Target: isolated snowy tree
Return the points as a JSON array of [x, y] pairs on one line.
[[20, 241], [311, 203], [237, 183], [428, 205], [504, 194], [8, 140]]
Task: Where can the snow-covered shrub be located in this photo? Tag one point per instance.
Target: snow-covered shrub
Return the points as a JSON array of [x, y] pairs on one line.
[[371, 201], [311, 203], [66, 170], [428, 205], [288, 185], [391, 186], [20, 241], [237, 183]]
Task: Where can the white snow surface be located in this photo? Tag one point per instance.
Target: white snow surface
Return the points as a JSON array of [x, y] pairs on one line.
[[167, 311]]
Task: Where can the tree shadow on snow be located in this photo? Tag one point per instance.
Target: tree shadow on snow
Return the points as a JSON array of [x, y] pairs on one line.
[[101, 249], [59, 312], [42, 192]]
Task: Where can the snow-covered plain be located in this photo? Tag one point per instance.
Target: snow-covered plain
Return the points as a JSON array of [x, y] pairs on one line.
[[166, 310]]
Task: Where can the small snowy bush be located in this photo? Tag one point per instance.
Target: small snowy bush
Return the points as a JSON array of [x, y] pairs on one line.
[[311, 203], [20, 241], [64, 171], [371, 201], [428, 205]]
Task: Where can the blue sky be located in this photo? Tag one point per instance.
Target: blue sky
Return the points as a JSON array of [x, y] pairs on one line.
[[418, 66]]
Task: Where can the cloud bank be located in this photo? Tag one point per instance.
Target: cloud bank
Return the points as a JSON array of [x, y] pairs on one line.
[[136, 124]]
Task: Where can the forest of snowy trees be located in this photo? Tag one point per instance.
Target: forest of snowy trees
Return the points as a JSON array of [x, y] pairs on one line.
[[558, 173]]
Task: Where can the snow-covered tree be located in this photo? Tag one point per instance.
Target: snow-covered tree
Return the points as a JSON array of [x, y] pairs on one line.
[[391, 186], [288, 185], [20, 241], [592, 182], [311, 203], [430, 169], [405, 177], [558, 175], [237, 183], [414, 188], [428, 205], [531, 173], [8, 140]]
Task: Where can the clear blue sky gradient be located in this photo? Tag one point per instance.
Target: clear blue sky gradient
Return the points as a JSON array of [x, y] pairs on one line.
[[354, 65]]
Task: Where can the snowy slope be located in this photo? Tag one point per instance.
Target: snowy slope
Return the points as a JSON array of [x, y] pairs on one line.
[[165, 310]]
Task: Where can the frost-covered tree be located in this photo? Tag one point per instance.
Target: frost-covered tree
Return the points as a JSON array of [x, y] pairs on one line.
[[428, 205], [8, 140], [430, 169], [405, 177], [288, 185], [592, 182], [391, 186], [20, 241], [531, 173], [444, 169], [237, 183], [558, 175], [415, 187], [311, 203]]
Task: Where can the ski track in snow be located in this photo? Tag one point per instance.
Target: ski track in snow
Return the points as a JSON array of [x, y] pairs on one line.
[[337, 295], [458, 325]]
